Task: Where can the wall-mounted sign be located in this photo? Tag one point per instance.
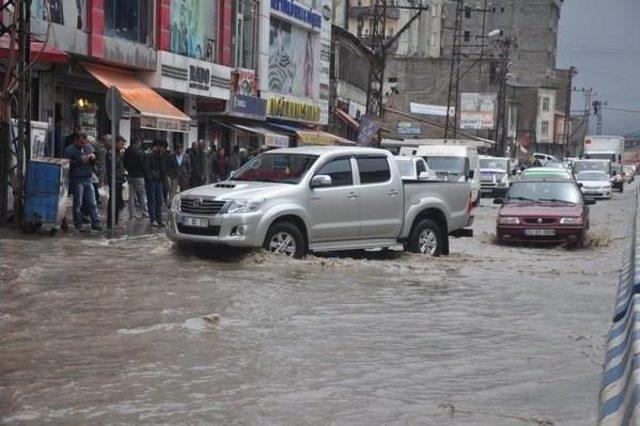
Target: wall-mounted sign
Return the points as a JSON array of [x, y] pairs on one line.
[[164, 124], [199, 77], [298, 12], [478, 110], [243, 82], [368, 131], [426, 109], [293, 110], [408, 128], [247, 107]]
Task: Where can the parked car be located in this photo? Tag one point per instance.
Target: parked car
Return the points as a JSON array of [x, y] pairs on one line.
[[292, 201], [544, 158], [414, 168], [543, 212], [595, 183], [454, 163], [495, 175], [629, 173], [541, 173]]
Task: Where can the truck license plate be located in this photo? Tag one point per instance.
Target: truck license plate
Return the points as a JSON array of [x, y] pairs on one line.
[[195, 222], [540, 232]]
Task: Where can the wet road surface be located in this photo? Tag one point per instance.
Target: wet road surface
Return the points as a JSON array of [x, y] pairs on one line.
[[113, 332]]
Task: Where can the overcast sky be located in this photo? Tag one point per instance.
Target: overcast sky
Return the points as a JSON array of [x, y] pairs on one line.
[[602, 39]]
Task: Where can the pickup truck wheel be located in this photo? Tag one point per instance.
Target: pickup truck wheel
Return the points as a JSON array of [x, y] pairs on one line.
[[285, 238], [426, 238]]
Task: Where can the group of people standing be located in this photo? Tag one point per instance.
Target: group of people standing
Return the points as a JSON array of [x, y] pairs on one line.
[[153, 177]]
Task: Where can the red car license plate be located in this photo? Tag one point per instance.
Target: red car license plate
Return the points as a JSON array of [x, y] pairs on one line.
[[550, 232]]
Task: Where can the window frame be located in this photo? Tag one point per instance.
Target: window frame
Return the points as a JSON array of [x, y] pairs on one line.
[[332, 160], [379, 157]]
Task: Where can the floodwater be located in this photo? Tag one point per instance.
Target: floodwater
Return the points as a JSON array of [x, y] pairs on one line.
[[98, 331]]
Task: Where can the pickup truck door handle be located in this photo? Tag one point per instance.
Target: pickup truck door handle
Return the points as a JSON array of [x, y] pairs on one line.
[[352, 196], [393, 193]]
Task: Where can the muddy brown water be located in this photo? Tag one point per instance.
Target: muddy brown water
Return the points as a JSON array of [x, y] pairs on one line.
[[112, 332]]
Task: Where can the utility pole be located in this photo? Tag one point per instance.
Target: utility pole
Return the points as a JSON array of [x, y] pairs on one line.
[[454, 76], [375, 88], [504, 46], [15, 92], [586, 114], [567, 111], [597, 111]]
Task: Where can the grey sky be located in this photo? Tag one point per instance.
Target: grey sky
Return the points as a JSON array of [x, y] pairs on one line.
[[602, 39]]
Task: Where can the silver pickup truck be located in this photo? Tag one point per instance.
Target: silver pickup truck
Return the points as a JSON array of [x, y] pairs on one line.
[[311, 199]]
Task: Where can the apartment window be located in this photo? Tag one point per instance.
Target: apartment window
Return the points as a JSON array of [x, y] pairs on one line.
[[467, 36], [128, 19], [546, 104], [193, 28], [544, 128], [502, 10], [245, 33], [467, 12]]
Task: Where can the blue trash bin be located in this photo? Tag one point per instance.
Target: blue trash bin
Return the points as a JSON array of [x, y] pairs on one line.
[[47, 188]]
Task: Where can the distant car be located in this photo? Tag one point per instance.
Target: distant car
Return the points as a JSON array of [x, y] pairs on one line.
[[595, 183], [543, 212], [544, 158], [629, 173], [542, 173], [414, 168], [495, 175]]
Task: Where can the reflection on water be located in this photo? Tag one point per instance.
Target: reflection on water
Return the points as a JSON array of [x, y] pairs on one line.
[[133, 330]]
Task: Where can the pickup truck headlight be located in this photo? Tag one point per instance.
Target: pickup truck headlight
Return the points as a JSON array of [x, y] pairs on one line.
[[571, 221], [244, 206], [508, 220], [175, 204]]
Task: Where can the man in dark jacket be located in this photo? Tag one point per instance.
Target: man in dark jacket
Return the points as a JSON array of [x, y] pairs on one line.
[[120, 179], [156, 175], [179, 172], [197, 160], [81, 168], [72, 137], [133, 160]]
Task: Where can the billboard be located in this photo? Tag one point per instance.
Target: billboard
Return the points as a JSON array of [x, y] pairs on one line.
[[292, 60], [193, 29], [478, 110], [426, 109]]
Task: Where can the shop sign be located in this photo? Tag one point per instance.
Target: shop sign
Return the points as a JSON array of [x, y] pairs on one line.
[[293, 110], [408, 128], [297, 12], [368, 131], [243, 82], [247, 107], [199, 77], [164, 124], [276, 141]]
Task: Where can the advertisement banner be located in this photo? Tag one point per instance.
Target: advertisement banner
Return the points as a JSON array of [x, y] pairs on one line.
[[292, 60], [193, 28], [478, 110], [368, 131], [408, 128], [437, 110]]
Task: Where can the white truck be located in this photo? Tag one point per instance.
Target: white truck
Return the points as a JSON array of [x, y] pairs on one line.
[[610, 148], [296, 200]]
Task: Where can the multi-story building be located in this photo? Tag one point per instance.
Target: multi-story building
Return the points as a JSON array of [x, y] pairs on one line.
[[187, 69]]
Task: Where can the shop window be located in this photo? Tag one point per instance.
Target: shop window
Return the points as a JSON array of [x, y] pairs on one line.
[[70, 13], [128, 19], [193, 28], [245, 33]]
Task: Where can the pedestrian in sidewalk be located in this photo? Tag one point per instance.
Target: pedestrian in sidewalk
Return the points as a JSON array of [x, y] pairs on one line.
[[156, 173], [119, 181], [81, 169], [101, 167], [197, 160], [133, 160], [179, 172]]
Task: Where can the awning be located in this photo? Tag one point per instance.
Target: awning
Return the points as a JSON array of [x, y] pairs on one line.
[[271, 138], [347, 119], [40, 52], [156, 113], [315, 137]]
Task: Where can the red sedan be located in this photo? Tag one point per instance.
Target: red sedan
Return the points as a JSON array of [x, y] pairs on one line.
[[543, 212]]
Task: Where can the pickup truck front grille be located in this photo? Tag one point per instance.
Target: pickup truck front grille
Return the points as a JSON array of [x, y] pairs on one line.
[[211, 231], [201, 206]]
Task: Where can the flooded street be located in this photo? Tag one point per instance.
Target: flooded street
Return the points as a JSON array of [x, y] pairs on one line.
[[133, 331]]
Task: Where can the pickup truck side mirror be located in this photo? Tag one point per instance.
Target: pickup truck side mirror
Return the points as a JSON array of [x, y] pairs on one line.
[[321, 181], [498, 201], [580, 185]]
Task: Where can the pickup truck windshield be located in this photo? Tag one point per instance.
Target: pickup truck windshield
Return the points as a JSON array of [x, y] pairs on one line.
[[448, 165], [561, 192], [496, 164], [276, 167]]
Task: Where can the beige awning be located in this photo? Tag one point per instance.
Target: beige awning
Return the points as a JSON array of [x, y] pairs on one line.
[[271, 138], [156, 113]]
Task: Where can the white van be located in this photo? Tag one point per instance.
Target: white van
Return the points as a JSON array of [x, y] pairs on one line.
[[454, 163]]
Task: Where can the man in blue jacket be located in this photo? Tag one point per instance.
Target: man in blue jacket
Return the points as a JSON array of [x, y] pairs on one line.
[[81, 168]]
